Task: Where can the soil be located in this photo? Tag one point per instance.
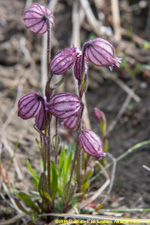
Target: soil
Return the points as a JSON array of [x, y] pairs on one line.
[[20, 56]]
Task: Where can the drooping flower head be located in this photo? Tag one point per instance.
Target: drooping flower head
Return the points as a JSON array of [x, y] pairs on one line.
[[32, 106], [92, 144], [101, 53], [63, 61], [37, 17], [64, 105]]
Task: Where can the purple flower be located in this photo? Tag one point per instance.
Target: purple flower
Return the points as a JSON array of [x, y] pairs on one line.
[[63, 61], [101, 53], [37, 17], [91, 144], [64, 105], [70, 122], [30, 106], [78, 67]]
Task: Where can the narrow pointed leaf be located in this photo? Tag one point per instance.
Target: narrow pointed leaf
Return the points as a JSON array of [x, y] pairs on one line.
[[54, 179], [27, 200], [67, 169], [31, 170], [21, 207]]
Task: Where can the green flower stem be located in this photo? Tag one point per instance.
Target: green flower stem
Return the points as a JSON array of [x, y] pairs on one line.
[[48, 98], [78, 164], [129, 151]]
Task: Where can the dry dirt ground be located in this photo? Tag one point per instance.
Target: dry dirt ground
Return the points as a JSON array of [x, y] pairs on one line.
[[20, 55]]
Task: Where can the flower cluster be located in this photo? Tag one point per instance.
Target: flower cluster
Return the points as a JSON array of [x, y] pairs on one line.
[[66, 106]]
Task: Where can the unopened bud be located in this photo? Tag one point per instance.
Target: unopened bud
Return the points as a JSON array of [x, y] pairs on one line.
[[30, 105], [101, 53], [64, 105], [37, 17], [92, 144], [63, 61]]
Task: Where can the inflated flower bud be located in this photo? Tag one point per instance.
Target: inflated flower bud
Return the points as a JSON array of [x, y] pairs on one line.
[[91, 144], [37, 17], [78, 68], [101, 53], [30, 105], [98, 114], [64, 105], [63, 61], [70, 122]]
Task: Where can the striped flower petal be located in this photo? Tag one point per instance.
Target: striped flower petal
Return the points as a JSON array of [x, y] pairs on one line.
[[70, 122], [78, 67], [40, 119]]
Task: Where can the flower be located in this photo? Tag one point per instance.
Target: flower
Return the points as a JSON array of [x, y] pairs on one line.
[[78, 67], [32, 106], [64, 105], [101, 53], [70, 122], [91, 144], [37, 17], [63, 61]]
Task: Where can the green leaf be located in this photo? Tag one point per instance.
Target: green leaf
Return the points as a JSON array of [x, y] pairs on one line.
[[35, 182], [68, 192], [54, 180], [67, 169], [85, 186], [87, 175], [61, 161], [75, 198], [21, 207], [27, 200], [71, 149], [32, 171], [43, 187]]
